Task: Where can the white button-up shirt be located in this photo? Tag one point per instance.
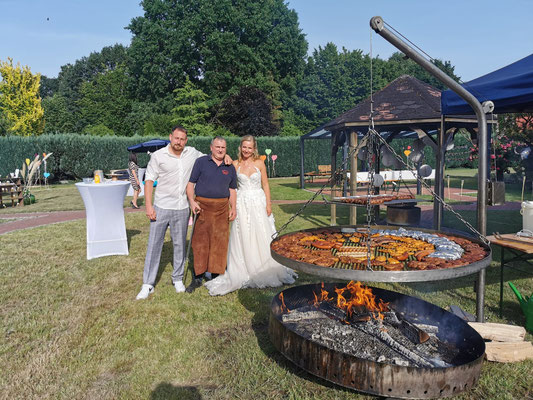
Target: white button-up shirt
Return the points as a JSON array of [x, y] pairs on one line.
[[172, 174]]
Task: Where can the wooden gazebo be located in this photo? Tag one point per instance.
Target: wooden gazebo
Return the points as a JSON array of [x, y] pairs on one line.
[[407, 106]]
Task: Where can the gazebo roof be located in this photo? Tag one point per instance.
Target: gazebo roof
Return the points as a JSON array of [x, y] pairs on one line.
[[404, 102]]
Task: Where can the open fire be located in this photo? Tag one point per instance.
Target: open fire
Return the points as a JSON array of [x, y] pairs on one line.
[[376, 341], [354, 298]]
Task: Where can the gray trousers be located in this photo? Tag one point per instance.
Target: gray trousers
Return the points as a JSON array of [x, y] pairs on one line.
[[178, 221]]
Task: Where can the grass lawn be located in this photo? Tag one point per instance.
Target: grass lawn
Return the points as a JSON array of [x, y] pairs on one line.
[[513, 191], [73, 329]]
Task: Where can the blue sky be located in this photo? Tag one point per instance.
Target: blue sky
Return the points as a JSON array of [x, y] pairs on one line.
[[477, 37]]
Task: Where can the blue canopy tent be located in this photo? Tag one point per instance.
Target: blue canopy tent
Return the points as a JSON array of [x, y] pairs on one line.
[[151, 146], [510, 89]]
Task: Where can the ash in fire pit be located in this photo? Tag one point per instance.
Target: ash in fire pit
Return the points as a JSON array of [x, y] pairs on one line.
[[376, 341], [352, 322]]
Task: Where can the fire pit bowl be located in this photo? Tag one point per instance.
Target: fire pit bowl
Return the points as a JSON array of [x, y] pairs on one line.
[[378, 371]]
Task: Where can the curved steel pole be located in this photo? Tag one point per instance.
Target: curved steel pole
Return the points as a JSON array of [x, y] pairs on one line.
[[378, 26]]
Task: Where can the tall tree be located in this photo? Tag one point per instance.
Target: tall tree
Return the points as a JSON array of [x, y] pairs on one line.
[[105, 101], [72, 76], [57, 117], [333, 82], [191, 106], [20, 104], [220, 45], [398, 64], [248, 112], [48, 87]]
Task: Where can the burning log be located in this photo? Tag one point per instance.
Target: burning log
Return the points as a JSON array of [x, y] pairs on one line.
[[430, 329], [378, 331], [411, 331], [341, 315], [371, 327], [303, 313], [355, 306]]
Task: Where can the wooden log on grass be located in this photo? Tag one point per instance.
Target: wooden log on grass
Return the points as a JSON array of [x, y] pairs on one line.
[[499, 332], [506, 352]]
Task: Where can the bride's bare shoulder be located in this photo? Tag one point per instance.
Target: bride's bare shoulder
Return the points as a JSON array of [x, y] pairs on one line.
[[259, 163]]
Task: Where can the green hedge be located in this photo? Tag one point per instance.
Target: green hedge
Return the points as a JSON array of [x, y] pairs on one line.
[[77, 156]]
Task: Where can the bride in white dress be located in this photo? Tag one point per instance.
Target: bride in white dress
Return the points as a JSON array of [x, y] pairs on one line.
[[250, 264]]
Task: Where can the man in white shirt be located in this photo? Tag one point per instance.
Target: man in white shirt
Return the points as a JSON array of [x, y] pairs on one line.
[[171, 166]]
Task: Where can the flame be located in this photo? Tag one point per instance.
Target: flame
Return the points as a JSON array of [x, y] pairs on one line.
[[283, 306], [358, 299], [323, 296]]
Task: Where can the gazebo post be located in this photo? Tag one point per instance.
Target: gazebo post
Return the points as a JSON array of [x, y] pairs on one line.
[[344, 158]]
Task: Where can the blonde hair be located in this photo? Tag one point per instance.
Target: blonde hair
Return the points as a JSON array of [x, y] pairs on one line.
[[249, 138]]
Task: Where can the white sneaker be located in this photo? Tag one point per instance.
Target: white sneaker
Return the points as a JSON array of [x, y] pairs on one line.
[[180, 288], [145, 291]]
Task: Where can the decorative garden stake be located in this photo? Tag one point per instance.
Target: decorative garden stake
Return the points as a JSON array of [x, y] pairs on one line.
[[267, 152], [274, 158]]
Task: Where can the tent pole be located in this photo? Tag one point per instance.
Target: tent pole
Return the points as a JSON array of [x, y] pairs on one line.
[[378, 25]]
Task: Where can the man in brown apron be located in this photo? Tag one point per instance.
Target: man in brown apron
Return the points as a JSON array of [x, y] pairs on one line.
[[211, 193]]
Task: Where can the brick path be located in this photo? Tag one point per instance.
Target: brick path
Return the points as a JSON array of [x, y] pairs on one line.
[[31, 220]]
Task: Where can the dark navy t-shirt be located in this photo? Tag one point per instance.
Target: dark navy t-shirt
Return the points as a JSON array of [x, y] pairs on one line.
[[213, 181]]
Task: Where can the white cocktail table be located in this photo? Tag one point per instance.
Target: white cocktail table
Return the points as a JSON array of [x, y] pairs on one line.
[[106, 228]]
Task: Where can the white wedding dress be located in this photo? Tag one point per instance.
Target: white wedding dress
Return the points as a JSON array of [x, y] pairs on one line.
[[250, 264]]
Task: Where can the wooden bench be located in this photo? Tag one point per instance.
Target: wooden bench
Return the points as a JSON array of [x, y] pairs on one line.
[[11, 191], [323, 170]]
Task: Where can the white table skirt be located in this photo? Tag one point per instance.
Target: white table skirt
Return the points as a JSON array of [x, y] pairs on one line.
[[106, 228]]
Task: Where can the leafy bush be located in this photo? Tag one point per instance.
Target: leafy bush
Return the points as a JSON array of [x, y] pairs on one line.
[[98, 130]]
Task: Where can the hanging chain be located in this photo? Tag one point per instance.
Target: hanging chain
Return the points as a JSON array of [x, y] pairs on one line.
[[371, 162], [435, 195], [328, 183], [370, 159]]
